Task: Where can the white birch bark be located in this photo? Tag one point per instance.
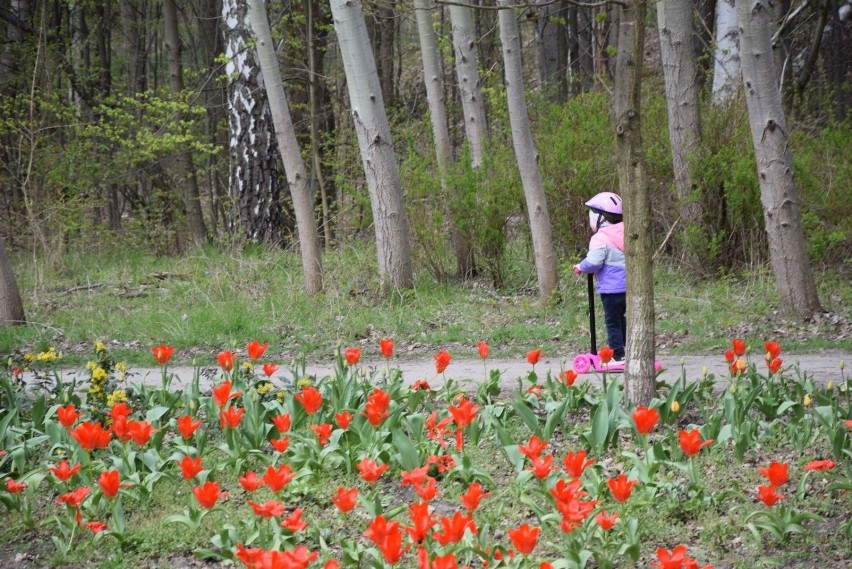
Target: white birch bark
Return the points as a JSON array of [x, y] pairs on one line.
[[674, 20], [526, 154], [788, 256], [467, 71], [726, 67], [291, 156], [373, 130]]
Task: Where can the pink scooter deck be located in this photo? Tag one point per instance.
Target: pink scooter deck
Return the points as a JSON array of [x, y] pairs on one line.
[[591, 363]]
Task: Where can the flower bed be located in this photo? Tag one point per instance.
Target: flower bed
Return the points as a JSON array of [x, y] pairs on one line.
[[357, 469]]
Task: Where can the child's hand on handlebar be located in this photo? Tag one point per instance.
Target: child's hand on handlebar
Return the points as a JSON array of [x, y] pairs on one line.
[[576, 269]]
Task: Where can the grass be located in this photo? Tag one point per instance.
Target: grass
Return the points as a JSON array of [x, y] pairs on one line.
[[212, 299]]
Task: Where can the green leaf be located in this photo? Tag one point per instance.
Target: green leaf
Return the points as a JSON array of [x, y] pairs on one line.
[[554, 419], [407, 456], [600, 428], [523, 411]]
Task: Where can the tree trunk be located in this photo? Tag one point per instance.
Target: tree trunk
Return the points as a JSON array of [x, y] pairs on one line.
[[294, 166], [787, 250], [552, 53], [526, 154], [433, 78], [11, 305], [187, 180], [255, 182], [726, 68], [674, 19], [467, 70], [371, 125], [640, 386], [135, 44], [703, 40]]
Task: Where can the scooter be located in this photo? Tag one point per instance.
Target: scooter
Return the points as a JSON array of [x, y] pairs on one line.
[[591, 362]]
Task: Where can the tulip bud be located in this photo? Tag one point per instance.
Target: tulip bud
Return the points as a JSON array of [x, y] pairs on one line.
[[733, 388], [842, 365], [675, 406], [704, 371], [807, 400], [682, 360], [192, 405], [830, 386]]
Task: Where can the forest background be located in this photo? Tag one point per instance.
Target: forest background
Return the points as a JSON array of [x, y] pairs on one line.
[[140, 131]]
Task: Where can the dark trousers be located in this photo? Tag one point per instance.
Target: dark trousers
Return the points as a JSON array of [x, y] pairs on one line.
[[615, 308]]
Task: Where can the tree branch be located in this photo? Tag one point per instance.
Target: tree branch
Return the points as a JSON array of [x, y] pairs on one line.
[[786, 21]]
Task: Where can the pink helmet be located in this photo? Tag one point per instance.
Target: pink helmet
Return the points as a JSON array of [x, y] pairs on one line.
[[606, 202]]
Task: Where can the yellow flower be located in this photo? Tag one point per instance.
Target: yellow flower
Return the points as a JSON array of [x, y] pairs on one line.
[[247, 366], [675, 406], [807, 400], [99, 374], [264, 388], [121, 366], [100, 347], [281, 395], [304, 382], [116, 396], [29, 358], [91, 365], [48, 356]]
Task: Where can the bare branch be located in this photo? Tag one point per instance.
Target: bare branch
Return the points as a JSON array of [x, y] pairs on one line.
[[791, 15], [597, 4]]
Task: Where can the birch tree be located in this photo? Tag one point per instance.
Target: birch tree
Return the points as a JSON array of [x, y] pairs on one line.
[[254, 181], [294, 166], [467, 71], [374, 141], [11, 306], [526, 154], [674, 20], [640, 385], [788, 254], [433, 78], [726, 59]]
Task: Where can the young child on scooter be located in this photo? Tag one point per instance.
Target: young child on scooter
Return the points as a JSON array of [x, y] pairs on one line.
[[606, 260]]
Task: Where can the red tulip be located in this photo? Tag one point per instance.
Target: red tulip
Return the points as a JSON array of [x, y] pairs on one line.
[[63, 471], [294, 521], [120, 410], [190, 467], [370, 469], [207, 494], [447, 561], [690, 442], [820, 465], [775, 365], [730, 356], [140, 432], [323, 432], [564, 491], [533, 356], [109, 482], [739, 347], [773, 350], [776, 473], [576, 463], [484, 350], [222, 393], [386, 347], [621, 487], [15, 487], [524, 538], [541, 467], [453, 528], [442, 360], [269, 369], [673, 560], [91, 435], [310, 398], [463, 415], [343, 418], [282, 422], [388, 538], [162, 353], [67, 415], [415, 476], [606, 521], [427, 490], [352, 356], [226, 360], [605, 354], [645, 419], [187, 427], [281, 444], [533, 448], [269, 509], [277, 478], [255, 350], [421, 520], [231, 417], [421, 384], [96, 526], [250, 482], [768, 495], [471, 498], [345, 500], [570, 377]]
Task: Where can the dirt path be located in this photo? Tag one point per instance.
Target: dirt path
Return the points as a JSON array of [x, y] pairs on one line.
[[824, 367]]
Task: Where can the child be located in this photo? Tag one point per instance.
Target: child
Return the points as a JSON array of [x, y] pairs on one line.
[[606, 259]]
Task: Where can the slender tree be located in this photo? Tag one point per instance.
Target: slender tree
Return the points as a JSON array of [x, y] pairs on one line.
[[11, 306], [788, 253], [374, 140], [726, 68], [526, 153], [294, 166], [674, 19], [640, 386]]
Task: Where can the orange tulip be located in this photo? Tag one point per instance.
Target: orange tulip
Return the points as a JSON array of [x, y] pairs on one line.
[[255, 349], [524, 538], [386, 347], [226, 360], [162, 353], [352, 356], [208, 494], [442, 360]]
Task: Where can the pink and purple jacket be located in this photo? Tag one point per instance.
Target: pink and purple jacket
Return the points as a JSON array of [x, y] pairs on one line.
[[606, 259]]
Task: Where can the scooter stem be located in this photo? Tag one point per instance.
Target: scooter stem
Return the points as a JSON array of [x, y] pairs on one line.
[[592, 331]]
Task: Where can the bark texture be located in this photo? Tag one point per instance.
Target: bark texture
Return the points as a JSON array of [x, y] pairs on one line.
[[526, 154], [285, 134], [467, 71], [11, 306], [255, 181], [371, 125], [726, 60], [674, 19], [640, 386], [788, 256]]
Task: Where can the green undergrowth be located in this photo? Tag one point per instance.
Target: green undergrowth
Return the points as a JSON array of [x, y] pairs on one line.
[[212, 300]]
